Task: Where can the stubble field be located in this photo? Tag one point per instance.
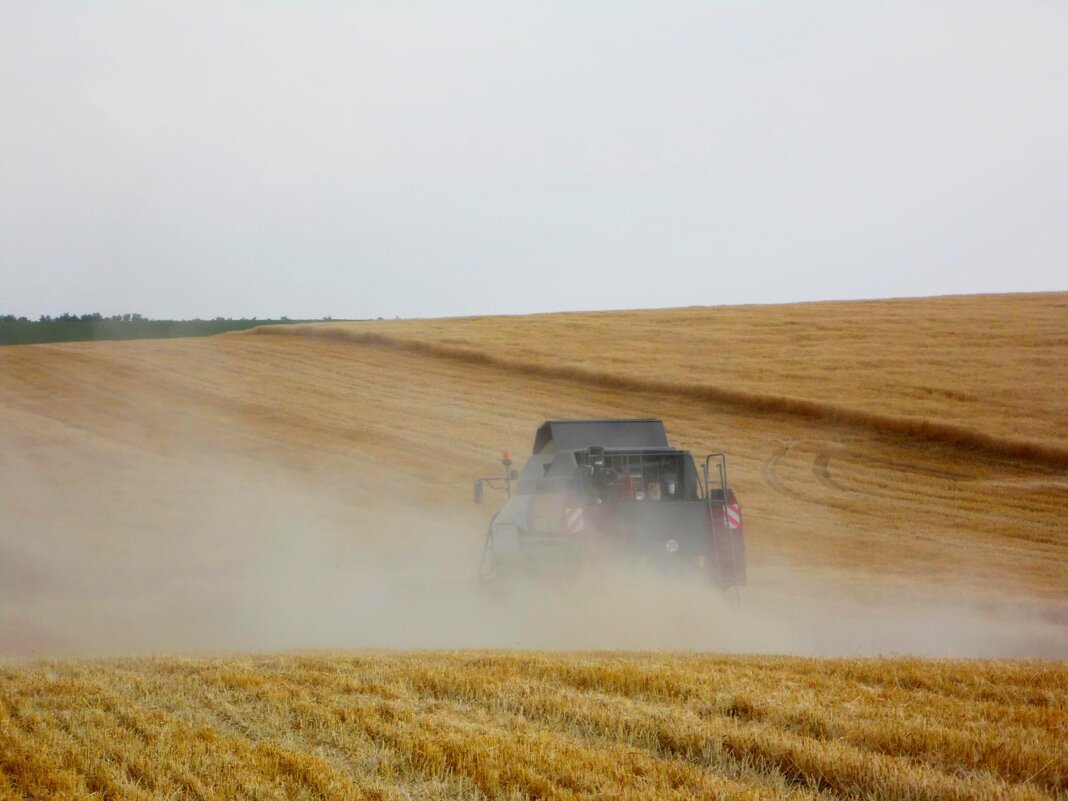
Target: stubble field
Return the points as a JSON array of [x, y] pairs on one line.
[[448, 725], [904, 480]]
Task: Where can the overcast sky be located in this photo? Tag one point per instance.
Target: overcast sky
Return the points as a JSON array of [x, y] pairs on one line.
[[360, 159]]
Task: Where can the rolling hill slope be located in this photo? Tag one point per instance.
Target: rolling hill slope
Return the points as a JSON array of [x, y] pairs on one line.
[[982, 371], [310, 488], [316, 436]]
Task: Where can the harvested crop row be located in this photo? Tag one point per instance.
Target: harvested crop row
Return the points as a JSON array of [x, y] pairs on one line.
[[488, 725]]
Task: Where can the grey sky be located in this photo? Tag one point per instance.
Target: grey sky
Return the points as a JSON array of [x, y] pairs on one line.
[[414, 159]]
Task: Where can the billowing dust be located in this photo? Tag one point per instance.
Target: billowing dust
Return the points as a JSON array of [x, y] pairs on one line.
[[110, 550]]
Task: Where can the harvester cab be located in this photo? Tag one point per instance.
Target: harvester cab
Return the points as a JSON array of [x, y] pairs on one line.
[[600, 490]]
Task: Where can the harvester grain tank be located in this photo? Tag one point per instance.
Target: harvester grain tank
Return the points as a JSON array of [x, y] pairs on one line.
[[595, 491]]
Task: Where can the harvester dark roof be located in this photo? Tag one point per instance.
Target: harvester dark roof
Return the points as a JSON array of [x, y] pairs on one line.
[[569, 435]]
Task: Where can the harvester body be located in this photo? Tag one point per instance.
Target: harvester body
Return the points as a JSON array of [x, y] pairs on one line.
[[597, 491]]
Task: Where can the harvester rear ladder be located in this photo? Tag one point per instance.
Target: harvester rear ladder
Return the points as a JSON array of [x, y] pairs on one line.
[[724, 493]]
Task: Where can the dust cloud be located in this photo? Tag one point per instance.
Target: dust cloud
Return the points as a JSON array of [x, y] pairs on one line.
[[107, 549]]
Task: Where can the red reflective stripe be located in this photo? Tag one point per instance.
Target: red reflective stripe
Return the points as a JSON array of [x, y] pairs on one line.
[[734, 516]]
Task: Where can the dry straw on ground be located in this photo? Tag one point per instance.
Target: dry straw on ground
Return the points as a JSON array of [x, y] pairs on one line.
[[533, 726]]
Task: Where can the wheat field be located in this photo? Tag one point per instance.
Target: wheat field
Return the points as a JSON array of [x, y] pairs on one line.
[[447, 725], [986, 371], [290, 492]]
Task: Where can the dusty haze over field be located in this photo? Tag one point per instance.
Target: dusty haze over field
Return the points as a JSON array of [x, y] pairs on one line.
[[303, 487], [361, 159], [187, 553]]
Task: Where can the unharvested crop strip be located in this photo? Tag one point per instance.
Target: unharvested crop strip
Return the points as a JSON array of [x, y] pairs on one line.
[[840, 416]]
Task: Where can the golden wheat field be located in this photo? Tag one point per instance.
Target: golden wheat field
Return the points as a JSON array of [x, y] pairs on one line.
[[304, 493], [983, 370], [448, 725]]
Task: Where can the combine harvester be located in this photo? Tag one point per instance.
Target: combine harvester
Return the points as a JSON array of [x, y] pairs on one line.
[[595, 491]]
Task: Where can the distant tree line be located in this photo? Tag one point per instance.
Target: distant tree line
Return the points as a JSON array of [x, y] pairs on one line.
[[72, 327]]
